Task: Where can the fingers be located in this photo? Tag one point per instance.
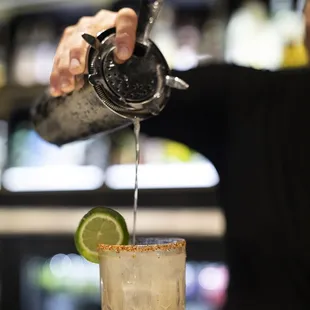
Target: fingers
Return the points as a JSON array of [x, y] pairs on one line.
[[61, 78], [66, 79], [79, 47], [126, 27], [77, 56], [71, 54], [79, 82], [55, 90]]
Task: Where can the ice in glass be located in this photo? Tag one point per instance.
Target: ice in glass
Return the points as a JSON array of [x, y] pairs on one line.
[[147, 276]]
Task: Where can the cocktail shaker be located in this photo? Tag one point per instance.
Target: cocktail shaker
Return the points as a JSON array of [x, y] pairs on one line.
[[114, 94]]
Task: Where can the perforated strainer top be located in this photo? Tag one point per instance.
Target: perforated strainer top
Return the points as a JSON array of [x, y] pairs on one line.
[[135, 80]]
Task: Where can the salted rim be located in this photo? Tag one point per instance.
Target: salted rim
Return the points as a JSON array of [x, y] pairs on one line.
[[165, 247]]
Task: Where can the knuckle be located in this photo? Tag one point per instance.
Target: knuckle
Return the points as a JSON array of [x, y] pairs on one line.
[[102, 12], [79, 52], [85, 20], [68, 30], [78, 48], [78, 70], [63, 70]]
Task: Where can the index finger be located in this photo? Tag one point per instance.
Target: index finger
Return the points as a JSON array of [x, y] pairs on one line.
[[126, 28]]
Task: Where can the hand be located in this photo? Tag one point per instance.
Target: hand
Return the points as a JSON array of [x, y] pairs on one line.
[[70, 59]]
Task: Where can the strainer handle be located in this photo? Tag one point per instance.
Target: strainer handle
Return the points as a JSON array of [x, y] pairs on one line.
[[149, 10]]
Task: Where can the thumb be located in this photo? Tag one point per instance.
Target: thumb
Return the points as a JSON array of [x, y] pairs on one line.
[[126, 28]]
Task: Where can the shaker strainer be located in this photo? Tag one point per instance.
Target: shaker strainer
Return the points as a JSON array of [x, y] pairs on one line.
[[141, 86], [114, 94]]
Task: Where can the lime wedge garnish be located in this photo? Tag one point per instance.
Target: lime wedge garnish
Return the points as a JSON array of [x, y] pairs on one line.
[[100, 226]]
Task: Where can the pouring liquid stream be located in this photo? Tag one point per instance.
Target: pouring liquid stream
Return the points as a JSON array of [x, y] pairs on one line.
[[136, 128]]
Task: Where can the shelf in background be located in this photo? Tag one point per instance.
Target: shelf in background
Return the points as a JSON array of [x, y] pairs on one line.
[[174, 198], [17, 97], [190, 222]]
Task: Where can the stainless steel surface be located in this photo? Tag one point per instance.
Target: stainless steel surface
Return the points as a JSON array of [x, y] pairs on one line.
[[138, 88], [176, 82], [149, 11], [76, 116], [133, 89], [116, 93], [92, 41]]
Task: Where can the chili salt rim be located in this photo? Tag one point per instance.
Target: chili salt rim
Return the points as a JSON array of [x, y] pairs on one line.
[[171, 246]]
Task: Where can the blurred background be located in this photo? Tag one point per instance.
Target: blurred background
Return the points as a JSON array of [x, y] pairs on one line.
[[45, 190]]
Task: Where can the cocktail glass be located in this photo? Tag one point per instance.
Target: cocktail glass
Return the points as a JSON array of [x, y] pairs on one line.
[[147, 276]]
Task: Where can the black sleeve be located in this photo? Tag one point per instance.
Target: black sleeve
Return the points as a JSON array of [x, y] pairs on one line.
[[198, 116], [196, 112]]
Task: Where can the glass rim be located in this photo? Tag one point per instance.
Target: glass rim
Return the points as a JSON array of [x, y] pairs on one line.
[[163, 244]]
